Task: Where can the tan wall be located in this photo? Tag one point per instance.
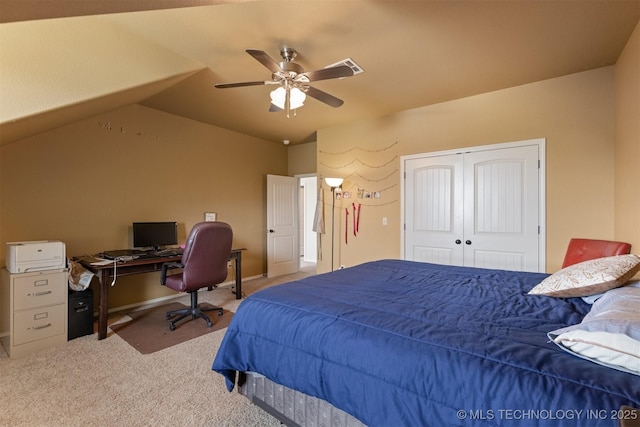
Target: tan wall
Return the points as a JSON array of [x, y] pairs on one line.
[[302, 158], [87, 182], [574, 113], [627, 176]]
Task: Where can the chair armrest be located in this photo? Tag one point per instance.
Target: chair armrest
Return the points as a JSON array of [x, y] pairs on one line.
[[166, 266]]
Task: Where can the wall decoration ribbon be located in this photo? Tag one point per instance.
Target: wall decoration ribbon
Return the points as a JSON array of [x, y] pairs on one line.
[[346, 227], [355, 226], [391, 161], [368, 150]]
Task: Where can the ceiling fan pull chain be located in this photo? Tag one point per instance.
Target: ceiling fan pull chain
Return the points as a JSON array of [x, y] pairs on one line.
[[287, 99]]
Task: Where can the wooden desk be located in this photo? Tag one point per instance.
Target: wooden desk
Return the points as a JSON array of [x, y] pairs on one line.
[[105, 274]]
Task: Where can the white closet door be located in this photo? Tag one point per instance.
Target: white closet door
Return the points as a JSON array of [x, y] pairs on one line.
[[480, 208], [501, 209], [434, 209]]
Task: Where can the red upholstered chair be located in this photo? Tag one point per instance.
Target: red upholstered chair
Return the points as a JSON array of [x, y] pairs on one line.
[[203, 264], [585, 249]]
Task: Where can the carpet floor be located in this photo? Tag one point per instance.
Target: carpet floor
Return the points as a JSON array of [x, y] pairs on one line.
[[87, 382]]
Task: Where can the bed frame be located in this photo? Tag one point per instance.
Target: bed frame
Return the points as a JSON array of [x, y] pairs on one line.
[[295, 409], [291, 407]]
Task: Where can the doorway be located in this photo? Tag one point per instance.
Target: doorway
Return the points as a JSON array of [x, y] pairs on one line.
[[307, 198]]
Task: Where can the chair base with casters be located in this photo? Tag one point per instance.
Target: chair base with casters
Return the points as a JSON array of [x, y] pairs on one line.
[[194, 311]]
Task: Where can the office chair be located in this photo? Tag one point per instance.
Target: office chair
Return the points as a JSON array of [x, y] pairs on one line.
[[580, 250], [203, 264]]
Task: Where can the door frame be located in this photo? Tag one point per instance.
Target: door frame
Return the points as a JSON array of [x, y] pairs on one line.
[[542, 196]]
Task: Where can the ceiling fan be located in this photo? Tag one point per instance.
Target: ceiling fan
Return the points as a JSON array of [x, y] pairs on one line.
[[293, 81]]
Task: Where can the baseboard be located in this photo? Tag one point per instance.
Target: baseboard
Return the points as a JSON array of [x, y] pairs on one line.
[[224, 285]]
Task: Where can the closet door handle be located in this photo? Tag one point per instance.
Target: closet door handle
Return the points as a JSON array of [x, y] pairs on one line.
[[468, 242], [271, 231], [458, 241]]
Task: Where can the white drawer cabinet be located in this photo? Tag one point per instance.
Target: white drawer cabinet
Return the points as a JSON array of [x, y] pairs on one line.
[[37, 310]]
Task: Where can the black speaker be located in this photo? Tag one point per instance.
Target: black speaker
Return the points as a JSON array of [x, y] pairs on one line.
[[80, 314]]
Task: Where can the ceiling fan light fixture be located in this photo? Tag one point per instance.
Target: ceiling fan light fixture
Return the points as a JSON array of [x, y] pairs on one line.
[[296, 100]]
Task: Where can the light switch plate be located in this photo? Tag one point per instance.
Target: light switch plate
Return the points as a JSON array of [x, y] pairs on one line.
[[210, 216]]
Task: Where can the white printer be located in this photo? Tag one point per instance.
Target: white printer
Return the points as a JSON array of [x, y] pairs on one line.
[[39, 255]]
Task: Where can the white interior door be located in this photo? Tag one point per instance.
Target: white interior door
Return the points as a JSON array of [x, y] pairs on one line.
[[481, 208], [283, 253], [501, 209], [434, 209]]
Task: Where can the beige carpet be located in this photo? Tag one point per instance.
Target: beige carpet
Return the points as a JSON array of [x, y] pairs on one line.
[[87, 382], [148, 330]]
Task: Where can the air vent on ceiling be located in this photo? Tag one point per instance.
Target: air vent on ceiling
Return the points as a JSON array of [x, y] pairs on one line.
[[349, 63]]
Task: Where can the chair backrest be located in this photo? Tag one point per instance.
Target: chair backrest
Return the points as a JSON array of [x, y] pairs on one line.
[[585, 249], [206, 254]]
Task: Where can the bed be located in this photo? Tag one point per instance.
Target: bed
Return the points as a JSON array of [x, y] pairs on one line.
[[395, 342]]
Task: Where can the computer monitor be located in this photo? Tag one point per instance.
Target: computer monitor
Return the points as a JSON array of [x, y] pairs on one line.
[[154, 234]]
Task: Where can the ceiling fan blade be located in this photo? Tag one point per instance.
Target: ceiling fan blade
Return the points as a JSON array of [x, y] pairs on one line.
[[329, 73], [274, 108], [241, 84], [324, 97], [262, 57]]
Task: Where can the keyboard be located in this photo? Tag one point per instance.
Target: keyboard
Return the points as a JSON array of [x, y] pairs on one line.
[[169, 252], [117, 253], [147, 254], [137, 253]]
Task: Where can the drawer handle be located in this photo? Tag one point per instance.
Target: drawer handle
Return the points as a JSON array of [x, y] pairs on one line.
[[41, 326], [39, 294]]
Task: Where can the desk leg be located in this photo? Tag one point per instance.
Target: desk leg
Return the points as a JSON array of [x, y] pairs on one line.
[[103, 303], [239, 276]]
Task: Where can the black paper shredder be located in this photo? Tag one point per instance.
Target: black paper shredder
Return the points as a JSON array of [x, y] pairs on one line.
[[80, 322]]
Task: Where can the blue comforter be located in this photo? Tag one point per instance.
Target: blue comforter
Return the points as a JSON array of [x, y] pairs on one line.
[[405, 343]]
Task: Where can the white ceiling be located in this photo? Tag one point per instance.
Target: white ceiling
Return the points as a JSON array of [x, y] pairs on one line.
[[65, 60]]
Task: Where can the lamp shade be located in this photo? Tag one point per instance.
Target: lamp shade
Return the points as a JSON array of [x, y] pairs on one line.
[[334, 182], [296, 98]]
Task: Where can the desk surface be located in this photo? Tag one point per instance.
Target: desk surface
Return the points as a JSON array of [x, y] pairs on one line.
[[95, 263], [138, 266]]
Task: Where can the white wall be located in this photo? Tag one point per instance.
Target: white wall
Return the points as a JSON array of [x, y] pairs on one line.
[[310, 185]]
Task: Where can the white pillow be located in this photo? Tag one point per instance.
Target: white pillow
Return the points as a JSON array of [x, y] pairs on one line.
[[610, 333], [589, 277]]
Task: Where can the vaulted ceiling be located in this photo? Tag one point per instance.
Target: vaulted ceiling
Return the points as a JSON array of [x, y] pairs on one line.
[[66, 60]]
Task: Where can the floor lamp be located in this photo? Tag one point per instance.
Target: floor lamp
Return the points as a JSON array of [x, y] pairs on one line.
[[333, 183]]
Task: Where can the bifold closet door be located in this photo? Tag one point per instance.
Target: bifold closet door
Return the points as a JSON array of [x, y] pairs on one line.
[[477, 209]]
